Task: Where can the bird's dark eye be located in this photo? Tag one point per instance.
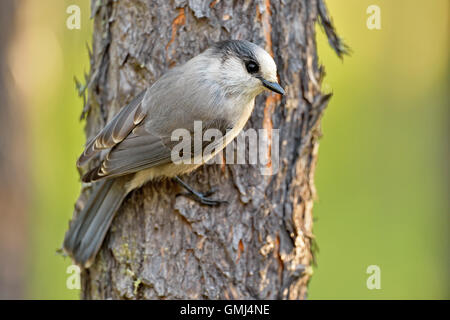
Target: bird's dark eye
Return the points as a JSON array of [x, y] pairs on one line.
[[252, 67]]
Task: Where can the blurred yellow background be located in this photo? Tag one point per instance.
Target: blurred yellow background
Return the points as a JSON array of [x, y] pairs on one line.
[[382, 176]]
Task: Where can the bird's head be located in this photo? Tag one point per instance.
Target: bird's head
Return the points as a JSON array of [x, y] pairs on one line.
[[244, 68]]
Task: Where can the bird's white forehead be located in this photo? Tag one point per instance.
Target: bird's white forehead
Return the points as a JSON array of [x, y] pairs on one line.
[[267, 65], [234, 52]]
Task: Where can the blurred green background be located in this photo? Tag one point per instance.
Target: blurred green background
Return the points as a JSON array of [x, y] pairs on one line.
[[382, 176]]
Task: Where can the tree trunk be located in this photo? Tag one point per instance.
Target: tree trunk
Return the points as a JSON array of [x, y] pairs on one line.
[[260, 245]]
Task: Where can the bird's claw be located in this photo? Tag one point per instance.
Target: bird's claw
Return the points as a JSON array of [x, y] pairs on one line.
[[211, 202], [203, 198], [209, 193]]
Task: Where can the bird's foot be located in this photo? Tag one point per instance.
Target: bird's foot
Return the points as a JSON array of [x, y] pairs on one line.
[[204, 198], [200, 197]]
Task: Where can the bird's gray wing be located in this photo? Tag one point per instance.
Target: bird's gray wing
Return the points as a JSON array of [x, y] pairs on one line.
[[143, 149], [116, 130]]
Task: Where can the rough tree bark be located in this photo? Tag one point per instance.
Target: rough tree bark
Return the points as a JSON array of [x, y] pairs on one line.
[[165, 247]]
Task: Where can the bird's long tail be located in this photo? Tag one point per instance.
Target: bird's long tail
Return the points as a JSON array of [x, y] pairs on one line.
[[87, 231]]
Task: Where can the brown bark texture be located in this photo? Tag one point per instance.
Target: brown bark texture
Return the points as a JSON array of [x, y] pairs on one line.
[[163, 246]]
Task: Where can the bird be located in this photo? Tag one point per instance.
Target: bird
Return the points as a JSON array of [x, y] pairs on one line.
[[217, 87]]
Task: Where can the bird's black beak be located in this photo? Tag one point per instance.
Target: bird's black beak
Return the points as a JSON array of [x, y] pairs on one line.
[[273, 86]]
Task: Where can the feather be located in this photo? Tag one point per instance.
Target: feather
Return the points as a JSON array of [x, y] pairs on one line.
[[116, 130]]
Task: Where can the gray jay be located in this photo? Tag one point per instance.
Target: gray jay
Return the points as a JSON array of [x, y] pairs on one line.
[[218, 87]]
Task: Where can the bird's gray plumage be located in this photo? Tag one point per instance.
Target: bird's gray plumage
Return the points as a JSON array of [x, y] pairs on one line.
[[135, 146], [241, 49], [89, 228]]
